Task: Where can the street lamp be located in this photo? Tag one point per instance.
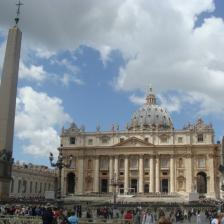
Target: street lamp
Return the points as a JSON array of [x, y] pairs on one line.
[[60, 164], [114, 183]]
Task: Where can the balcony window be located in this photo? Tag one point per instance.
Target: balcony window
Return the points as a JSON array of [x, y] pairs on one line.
[[134, 163], [121, 163], [103, 163], [146, 163], [164, 163]]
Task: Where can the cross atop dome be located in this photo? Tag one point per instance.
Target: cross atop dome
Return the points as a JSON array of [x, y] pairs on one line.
[[150, 96]]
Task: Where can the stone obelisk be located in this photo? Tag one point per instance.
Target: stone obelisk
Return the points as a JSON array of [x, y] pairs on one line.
[[8, 90]]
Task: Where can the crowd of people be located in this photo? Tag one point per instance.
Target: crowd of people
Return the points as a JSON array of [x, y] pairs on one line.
[[138, 215]]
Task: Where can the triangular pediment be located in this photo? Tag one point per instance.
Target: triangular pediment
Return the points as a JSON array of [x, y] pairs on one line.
[[133, 141]]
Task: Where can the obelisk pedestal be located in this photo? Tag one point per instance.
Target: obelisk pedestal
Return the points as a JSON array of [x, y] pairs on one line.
[[8, 90]]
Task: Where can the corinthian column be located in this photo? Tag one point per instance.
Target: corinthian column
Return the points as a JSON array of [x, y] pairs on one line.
[[96, 175], [151, 186], [141, 175], [189, 182], [172, 175], [157, 175], [212, 176], [111, 174], [80, 175], [116, 171], [126, 186]]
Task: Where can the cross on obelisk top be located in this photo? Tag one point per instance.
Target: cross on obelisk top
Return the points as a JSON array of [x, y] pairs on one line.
[[19, 4]]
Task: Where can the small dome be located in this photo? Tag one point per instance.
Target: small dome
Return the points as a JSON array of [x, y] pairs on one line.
[[150, 116]]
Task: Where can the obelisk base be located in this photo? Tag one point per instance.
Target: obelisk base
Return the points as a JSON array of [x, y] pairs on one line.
[[5, 178]]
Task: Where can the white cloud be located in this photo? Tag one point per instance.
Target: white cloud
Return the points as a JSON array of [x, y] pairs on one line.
[[66, 79], [32, 72], [158, 39], [137, 99], [38, 118]]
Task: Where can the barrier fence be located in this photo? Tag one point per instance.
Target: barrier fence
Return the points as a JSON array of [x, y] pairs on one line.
[[35, 220]]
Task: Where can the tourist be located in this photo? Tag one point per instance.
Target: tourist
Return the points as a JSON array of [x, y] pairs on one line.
[[215, 219], [73, 219], [128, 216], [47, 216], [147, 218]]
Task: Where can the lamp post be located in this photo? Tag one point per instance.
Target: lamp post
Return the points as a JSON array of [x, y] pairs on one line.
[[60, 164], [114, 183]]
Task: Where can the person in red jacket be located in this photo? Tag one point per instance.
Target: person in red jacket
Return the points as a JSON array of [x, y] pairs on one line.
[[128, 216]]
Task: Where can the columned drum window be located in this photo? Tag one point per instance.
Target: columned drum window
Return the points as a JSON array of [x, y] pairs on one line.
[[200, 138]]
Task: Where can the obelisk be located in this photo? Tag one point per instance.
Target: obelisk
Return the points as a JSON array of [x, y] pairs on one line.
[[8, 90]]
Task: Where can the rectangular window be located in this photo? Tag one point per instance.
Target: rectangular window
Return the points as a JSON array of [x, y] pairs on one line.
[[104, 164], [133, 163], [72, 140], [146, 139], [121, 163], [146, 163], [201, 163], [164, 163], [90, 141], [180, 139]]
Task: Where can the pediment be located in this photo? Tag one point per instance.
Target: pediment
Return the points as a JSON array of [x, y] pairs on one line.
[[133, 141]]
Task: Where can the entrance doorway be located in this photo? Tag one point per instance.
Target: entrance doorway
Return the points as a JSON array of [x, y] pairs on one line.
[[71, 183], [104, 185], [164, 186], [202, 183], [146, 188], [121, 188], [134, 185]]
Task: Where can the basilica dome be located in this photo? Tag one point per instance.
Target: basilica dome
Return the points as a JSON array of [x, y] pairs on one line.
[[150, 116]]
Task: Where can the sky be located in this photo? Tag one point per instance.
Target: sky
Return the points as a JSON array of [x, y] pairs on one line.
[[91, 62]]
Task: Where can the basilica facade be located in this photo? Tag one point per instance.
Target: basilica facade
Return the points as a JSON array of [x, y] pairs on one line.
[[150, 157]]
